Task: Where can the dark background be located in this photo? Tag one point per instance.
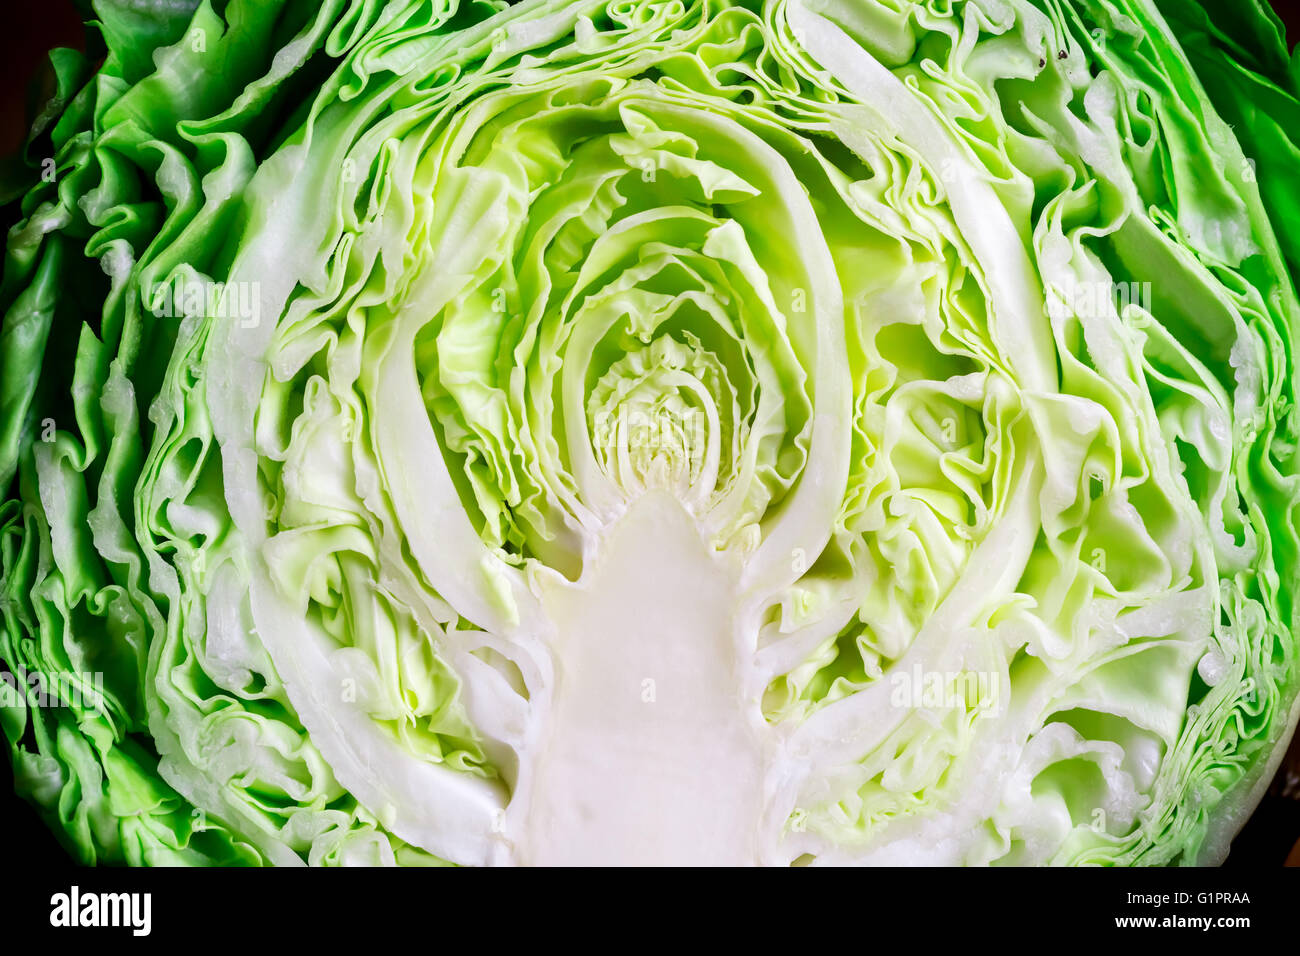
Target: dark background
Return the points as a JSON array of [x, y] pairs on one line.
[[33, 28]]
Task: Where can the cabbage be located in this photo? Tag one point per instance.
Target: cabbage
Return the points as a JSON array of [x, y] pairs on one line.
[[654, 431]]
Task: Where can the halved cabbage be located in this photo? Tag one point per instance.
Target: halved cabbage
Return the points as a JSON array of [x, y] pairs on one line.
[[654, 431]]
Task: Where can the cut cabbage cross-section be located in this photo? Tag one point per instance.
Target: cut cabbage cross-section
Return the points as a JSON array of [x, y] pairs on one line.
[[655, 432]]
